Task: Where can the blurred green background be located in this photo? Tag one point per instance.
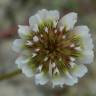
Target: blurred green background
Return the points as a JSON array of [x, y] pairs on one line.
[[14, 12]]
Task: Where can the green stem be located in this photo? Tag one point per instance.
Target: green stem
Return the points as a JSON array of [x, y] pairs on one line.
[[10, 75]]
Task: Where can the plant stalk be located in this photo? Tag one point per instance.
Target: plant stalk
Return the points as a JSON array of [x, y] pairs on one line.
[[10, 75]]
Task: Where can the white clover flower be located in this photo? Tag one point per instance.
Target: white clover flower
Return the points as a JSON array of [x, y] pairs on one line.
[[54, 50]]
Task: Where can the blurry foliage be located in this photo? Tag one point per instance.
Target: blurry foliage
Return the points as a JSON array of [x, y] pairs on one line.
[[71, 4], [88, 94]]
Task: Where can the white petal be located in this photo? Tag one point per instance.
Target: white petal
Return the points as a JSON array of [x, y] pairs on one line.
[[18, 45], [79, 71], [83, 32], [27, 71], [35, 28], [58, 82], [53, 15], [70, 80], [39, 68], [87, 57], [22, 64], [22, 60], [67, 79], [24, 31], [46, 15], [68, 21], [34, 20], [43, 14], [41, 79]]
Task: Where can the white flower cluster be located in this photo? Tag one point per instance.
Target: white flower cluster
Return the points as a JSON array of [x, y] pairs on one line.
[[52, 49]]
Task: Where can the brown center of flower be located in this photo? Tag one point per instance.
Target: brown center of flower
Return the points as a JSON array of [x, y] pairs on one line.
[[52, 45]]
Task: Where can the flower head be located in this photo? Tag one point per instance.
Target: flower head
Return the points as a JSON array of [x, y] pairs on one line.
[[52, 49]]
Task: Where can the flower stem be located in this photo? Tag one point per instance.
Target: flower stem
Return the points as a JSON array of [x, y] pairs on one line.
[[10, 75]]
